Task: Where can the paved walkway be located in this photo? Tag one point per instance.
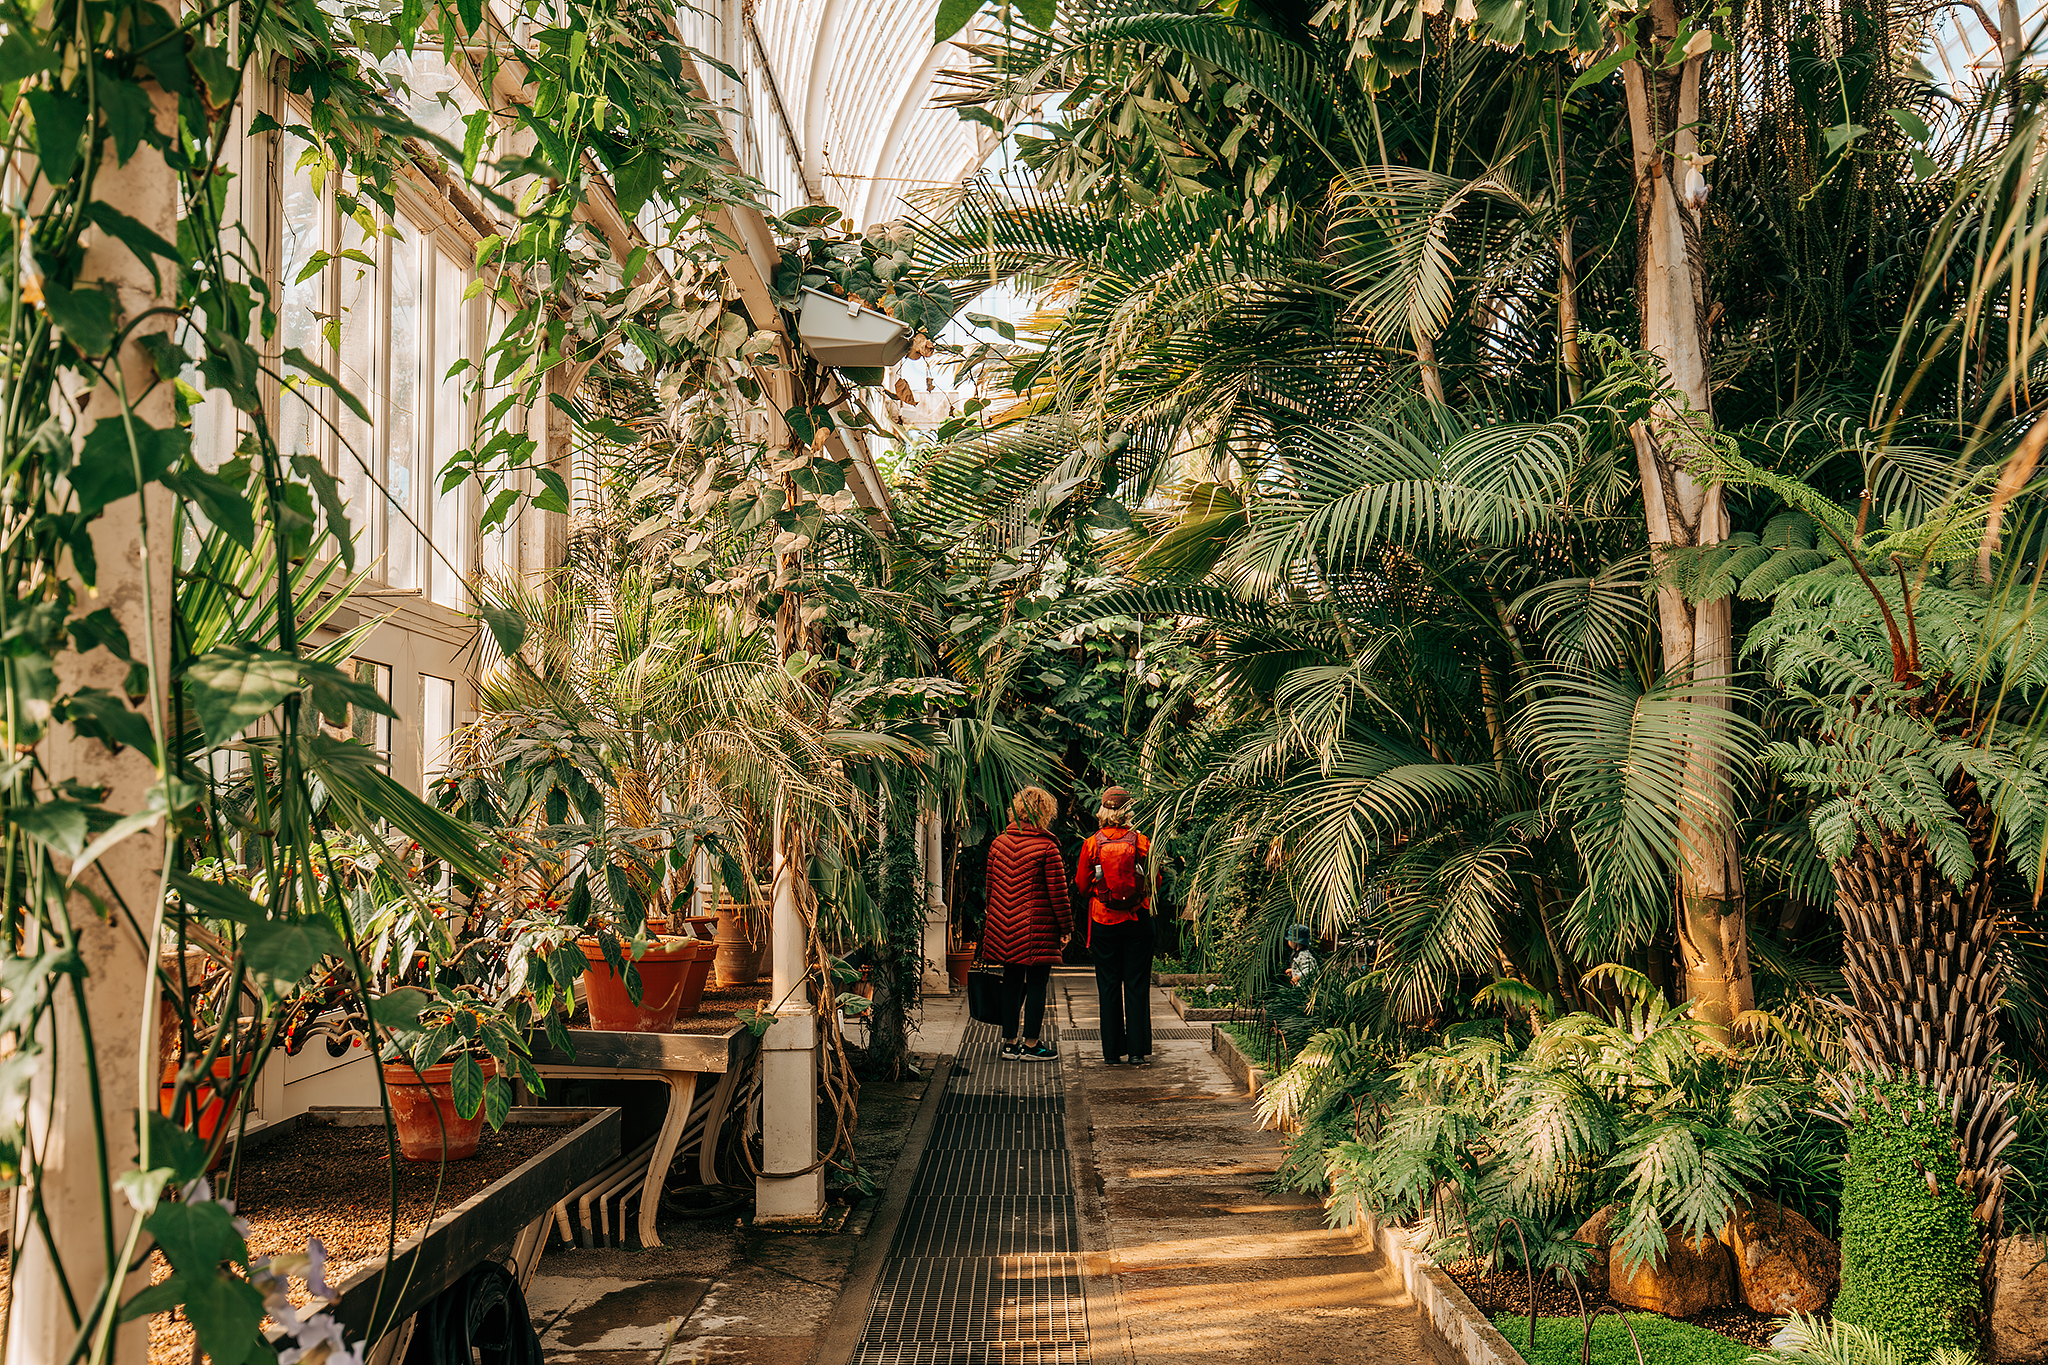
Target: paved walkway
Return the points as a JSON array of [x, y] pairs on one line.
[[1189, 1261]]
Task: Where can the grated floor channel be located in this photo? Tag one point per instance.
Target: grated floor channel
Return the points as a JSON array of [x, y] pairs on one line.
[[985, 1266]]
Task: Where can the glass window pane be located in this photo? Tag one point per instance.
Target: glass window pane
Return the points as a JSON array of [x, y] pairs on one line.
[[437, 724], [301, 301], [401, 461], [451, 527], [357, 371]]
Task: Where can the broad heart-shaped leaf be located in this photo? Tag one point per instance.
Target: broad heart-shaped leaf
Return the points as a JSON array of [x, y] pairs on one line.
[[196, 1237], [105, 472], [466, 1085], [182, 1151], [285, 950], [232, 687], [227, 1317], [84, 315], [58, 824], [59, 123]]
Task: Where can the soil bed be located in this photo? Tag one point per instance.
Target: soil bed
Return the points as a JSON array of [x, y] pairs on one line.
[[1508, 1292], [715, 1014], [335, 1184]]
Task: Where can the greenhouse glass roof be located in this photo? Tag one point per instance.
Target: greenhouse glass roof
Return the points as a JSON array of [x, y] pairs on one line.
[[836, 105]]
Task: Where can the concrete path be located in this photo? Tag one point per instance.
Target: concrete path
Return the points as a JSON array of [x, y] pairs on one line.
[[1189, 1261]]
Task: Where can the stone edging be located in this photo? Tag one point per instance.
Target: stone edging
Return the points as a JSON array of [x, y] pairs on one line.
[[1252, 1076], [1185, 978], [1195, 1014], [1458, 1333]]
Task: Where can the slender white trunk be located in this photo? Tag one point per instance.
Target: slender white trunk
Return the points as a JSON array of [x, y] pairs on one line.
[[1697, 638]]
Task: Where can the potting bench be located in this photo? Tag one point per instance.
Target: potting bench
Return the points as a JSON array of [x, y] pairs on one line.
[[681, 1061]]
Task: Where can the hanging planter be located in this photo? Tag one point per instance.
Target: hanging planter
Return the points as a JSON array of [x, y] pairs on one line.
[[842, 332]]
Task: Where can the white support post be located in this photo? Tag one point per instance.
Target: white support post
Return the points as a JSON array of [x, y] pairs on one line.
[[789, 1062], [931, 846], [134, 582]]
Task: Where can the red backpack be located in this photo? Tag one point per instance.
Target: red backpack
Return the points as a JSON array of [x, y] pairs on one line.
[[1119, 870]]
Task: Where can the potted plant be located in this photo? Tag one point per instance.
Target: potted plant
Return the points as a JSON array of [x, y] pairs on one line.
[[445, 1071]]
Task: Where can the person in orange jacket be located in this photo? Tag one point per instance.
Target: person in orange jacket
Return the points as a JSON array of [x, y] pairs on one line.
[[1114, 873]]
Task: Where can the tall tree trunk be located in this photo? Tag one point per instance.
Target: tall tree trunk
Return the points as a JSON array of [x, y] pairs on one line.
[[1697, 638]]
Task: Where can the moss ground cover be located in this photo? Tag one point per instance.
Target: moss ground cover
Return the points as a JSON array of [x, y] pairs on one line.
[[1664, 1341]]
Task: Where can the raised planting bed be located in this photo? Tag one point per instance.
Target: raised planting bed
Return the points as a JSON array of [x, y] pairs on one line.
[[326, 1173], [1195, 1012], [1726, 1334], [1237, 1061]]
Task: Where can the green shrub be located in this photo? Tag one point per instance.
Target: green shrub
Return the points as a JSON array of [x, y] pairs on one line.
[[1909, 1244], [1665, 1341]]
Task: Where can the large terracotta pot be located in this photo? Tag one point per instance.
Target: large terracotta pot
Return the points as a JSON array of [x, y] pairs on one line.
[[739, 950], [423, 1103], [672, 975], [958, 962], [211, 1107]]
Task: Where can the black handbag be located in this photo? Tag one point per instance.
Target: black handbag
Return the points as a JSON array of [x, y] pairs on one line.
[[985, 991]]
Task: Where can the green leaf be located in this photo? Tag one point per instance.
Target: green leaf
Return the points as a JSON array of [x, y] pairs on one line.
[[554, 494], [1915, 127], [59, 124], [161, 1297], [96, 713], [173, 1147], [508, 627], [1841, 135], [328, 490], [400, 1009], [58, 824], [220, 72], [952, 17], [232, 687], [227, 1316], [215, 900], [497, 1102], [20, 58], [336, 692], [1037, 13], [84, 315], [223, 504], [1602, 69], [466, 1085], [298, 360], [136, 235], [106, 461], [196, 1237], [285, 950]]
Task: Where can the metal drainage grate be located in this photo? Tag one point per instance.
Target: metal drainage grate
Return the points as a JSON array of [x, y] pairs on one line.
[[1171, 1035], [983, 1269]]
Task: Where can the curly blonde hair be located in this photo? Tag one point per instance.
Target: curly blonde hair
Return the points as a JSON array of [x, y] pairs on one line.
[[1034, 807]]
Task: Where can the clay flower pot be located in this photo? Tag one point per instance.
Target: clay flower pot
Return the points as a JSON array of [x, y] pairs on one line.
[[739, 952], [672, 974], [958, 961], [423, 1103], [211, 1108]]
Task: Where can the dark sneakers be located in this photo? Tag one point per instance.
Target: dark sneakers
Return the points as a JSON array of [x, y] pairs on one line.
[[1040, 1053], [1011, 1047]]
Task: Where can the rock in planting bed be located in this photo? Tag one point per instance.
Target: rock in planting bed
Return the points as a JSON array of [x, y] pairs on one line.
[[1504, 1295]]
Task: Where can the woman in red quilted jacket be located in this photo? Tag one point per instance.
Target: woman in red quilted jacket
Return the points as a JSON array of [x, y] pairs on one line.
[[1029, 917]]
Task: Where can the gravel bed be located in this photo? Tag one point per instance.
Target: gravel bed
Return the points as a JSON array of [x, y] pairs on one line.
[[1508, 1292]]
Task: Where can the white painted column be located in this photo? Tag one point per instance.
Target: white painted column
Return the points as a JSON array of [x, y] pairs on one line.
[[134, 583], [789, 1061], [931, 844]]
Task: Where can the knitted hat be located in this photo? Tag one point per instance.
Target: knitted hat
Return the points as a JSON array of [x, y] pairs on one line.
[[1116, 798], [1299, 936]]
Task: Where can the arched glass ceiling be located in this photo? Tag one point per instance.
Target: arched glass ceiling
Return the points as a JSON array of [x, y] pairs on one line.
[[836, 100]]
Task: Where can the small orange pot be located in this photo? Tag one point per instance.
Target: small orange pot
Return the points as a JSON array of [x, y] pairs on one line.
[[672, 974], [423, 1103], [211, 1107]]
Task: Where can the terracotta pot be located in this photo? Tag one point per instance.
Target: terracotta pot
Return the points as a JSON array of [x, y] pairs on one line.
[[739, 956], [672, 975], [423, 1103], [958, 960], [210, 1106]]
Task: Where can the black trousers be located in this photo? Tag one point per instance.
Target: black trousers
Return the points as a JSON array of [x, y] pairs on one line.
[[1024, 986], [1123, 986]]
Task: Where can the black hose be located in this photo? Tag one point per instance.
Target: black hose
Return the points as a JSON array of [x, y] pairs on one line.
[[480, 1321]]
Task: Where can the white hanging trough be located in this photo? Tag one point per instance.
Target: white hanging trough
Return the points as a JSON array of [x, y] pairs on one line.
[[842, 332]]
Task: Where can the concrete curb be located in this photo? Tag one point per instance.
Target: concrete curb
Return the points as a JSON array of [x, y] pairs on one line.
[[1195, 1014], [1459, 1334], [1252, 1076], [1171, 979]]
